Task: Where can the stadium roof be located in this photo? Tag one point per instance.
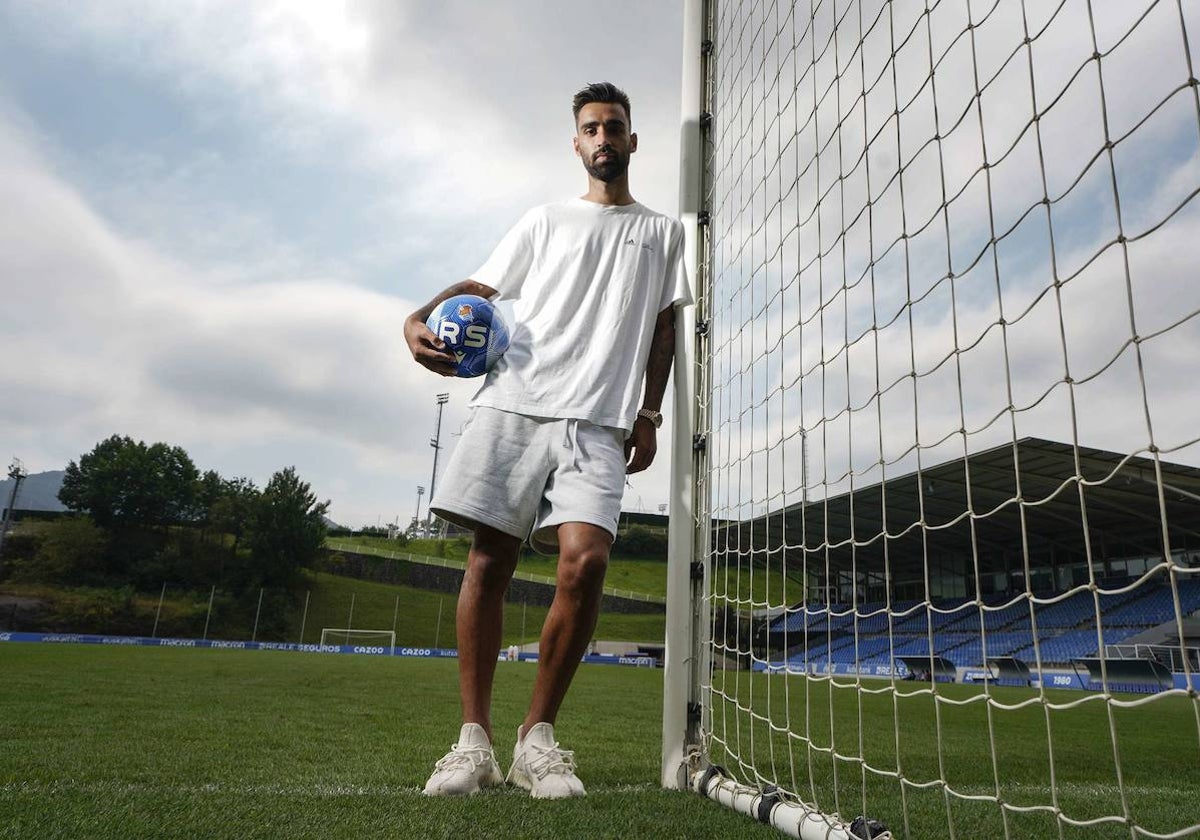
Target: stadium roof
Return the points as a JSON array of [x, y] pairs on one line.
[[991, 505]]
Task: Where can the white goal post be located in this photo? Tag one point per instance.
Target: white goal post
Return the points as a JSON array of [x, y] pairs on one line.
[[373, 638], [935, 458]]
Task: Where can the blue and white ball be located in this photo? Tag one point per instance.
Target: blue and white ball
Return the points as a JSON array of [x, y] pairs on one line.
[[472, 328]]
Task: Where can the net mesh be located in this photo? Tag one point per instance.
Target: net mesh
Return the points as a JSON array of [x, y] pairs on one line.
[[344, 636], [949, 345]]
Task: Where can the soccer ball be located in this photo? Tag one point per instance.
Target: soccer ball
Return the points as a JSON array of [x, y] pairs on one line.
[[473, 330]]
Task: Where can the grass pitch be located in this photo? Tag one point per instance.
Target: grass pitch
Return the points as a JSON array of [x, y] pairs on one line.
[[814, 737], [103, 742], [100, 742]]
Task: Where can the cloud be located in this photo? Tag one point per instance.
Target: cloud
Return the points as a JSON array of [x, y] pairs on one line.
[[415, 94], [108, 335]]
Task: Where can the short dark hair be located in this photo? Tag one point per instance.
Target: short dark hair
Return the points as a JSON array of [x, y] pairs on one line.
[[605, 92]]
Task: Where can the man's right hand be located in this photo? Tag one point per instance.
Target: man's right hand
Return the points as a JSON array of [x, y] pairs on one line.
[[427, 349]]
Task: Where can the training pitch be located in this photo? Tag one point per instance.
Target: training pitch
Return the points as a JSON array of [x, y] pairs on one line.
[[144, 742], [182, 743]]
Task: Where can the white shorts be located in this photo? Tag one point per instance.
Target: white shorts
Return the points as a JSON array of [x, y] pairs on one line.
[[526, 475]]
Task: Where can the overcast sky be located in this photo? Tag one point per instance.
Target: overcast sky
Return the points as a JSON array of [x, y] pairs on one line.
[[216, 215]]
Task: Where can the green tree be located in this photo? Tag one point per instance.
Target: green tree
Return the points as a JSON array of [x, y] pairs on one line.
[[233, 511], [209, 490], [288, 529], [122, 483], [642, 541], [70, 551]]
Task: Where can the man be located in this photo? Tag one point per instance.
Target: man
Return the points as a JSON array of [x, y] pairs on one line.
[[553, 430]]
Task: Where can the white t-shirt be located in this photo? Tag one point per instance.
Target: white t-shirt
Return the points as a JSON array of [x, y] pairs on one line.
[[587, 282]]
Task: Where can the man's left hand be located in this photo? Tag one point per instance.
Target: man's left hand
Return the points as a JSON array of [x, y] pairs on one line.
[[643, 443]]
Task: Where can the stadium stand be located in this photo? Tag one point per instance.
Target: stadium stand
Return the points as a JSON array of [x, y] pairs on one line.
[[1074, 587], [1035, 575], [1066, 627]]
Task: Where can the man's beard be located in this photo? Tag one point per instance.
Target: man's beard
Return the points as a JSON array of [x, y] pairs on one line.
[[610, 170]]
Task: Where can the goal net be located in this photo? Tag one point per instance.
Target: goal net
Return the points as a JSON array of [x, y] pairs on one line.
[[946, 497], [366, 638]]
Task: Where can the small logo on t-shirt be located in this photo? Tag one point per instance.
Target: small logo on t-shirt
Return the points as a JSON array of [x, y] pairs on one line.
[[630, 242]]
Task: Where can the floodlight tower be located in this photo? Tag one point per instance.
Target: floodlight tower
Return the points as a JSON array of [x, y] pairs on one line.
[[417, 516], [16, 472], [436, 443]]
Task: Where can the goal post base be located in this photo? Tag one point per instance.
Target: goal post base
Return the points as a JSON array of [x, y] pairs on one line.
[[770, 808]]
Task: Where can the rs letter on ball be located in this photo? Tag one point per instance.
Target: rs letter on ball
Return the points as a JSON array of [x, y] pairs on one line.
[[473, 330]]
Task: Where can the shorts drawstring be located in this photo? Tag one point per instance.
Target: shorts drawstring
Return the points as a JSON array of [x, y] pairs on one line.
[[571, 440]]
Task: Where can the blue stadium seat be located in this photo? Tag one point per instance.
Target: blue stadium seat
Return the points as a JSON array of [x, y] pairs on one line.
[[1065, 626]]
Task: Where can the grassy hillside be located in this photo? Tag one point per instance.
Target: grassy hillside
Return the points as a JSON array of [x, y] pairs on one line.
[[67, 607], [330, 599], [634, 573], [55, 608], [417, 618]]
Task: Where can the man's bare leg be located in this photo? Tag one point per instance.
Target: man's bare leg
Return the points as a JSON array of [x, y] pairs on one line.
[[582, 562], [480, 620]]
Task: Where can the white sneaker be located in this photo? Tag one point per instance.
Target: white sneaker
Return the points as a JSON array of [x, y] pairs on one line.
[[543, 769], [469, 766]]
